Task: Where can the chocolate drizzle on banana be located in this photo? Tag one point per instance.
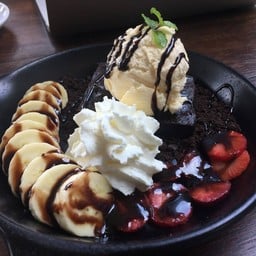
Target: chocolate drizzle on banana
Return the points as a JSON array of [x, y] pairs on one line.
[[36, 167]]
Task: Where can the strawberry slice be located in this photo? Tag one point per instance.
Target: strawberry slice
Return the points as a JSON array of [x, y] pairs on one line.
[[232, 169], [159, 193], [225, 146], [238, 143], [210, 193], [129, 213], [169, 204], [218, 152]]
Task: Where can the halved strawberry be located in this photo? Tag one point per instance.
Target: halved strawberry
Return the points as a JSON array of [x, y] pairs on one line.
[[209, 193], [159, 193], [225, 146], [169, 204], [129, 213], [218, 152], [232, 169]]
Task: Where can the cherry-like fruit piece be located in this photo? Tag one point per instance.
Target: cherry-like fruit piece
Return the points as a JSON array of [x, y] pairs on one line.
[[210, 193], [225, 146], [169, 204], [232, 169], [129, 213]]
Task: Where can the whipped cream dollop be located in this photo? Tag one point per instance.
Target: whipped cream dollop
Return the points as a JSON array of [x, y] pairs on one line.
[[142, 73], [120, 142]]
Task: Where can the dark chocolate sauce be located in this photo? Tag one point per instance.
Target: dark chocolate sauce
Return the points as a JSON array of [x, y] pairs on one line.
[[10, 149], [51, 159], [118, 45], [177, 210], [19, 169], [80, 196], [128, 52], [131, 47], [164, 56], [168, 80], [52, 194], [129, 213]]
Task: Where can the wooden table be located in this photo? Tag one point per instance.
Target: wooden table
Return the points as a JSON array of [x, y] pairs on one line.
[[229, 37]]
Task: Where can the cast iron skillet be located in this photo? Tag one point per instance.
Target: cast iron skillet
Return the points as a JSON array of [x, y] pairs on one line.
[[28, 237]]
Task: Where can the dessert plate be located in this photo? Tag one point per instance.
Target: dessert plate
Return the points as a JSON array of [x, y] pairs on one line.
[[28, 237]]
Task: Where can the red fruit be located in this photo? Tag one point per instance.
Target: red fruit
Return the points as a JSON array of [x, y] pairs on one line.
[[132, 225], [218, 152], [129, 213], [157, 195], [209, 193], [238, 143], [169, 207], [234, 168], [219, 166], [226, 146]]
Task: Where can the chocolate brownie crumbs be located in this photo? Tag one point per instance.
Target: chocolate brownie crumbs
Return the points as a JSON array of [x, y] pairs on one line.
[[75, 88], [212, 116]]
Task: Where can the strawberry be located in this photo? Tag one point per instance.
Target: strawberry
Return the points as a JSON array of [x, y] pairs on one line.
[[169, 204], [232, 169], [218, 152], [159, 193], [225, 146], [129, 213], [209, 193], [132, 225]]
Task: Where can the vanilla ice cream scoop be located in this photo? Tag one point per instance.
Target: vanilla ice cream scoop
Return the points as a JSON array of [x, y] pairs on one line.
[[120, 142], [142, 73]]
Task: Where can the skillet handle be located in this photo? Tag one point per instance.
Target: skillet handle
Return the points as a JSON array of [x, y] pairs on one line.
[[10, 246], [15, 245], [4, 244]]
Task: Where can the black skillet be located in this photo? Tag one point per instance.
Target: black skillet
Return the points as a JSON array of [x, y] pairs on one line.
[[26, 236]]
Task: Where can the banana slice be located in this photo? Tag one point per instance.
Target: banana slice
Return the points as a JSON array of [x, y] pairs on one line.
[[55, 89], [44, 96], [62, 91], [47, 86], [22, 138], [36, 167], [43, 119], [22, 158], [44, 190], [82, 203], [21, 126], [36, 106]]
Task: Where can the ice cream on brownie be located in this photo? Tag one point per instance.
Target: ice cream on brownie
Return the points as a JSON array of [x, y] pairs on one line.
[[142, 66]]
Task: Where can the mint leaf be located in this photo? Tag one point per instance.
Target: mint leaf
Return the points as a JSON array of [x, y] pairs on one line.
[[151, 23], [159, 38], [154, 11], [170, 24]]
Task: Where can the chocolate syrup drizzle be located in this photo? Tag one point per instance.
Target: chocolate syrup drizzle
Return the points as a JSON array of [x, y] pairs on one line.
[[164, 56], [128, 52], [56, 187]]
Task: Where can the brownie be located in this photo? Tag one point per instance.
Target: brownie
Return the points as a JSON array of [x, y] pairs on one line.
[[182, 123]]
